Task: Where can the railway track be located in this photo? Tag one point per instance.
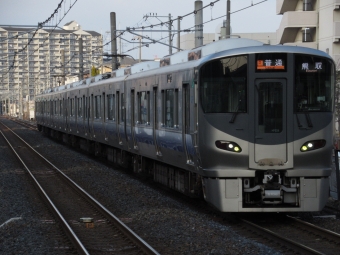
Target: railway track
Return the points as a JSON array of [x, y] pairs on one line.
[[332, 210], [90, 226], [294, 235], [28, 124]]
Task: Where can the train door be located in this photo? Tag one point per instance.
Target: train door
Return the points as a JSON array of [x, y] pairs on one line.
[[270, 122], [187, 138], [132, 120], [65, 113], [155, 121], [87, 115], [118, 117], [121, 118]]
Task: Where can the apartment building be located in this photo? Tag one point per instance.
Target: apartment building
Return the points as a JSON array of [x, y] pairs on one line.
[[310, 23], [31, 61]]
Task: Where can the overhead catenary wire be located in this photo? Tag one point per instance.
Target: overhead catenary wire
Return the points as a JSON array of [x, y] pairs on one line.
[[190, 28], [135, 28]]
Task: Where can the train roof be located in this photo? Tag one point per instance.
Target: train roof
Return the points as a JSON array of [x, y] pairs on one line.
[[211, 50]]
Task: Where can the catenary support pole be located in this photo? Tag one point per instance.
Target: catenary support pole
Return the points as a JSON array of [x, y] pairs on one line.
[[228, 20], [113, 40], [198, 23], [179, 34]]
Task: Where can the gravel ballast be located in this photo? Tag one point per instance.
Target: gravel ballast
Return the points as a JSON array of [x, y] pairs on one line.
[[168, 225]]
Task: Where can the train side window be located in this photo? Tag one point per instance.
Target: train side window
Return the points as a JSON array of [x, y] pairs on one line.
[[75, 100], [72, 107], [122, 115], [55, 107], [80, 107], [97, 105], [111, 106], [91, 107], [144, 107], [169, 109], [86, 107], [118, 107], [83, 107], [103, 107]]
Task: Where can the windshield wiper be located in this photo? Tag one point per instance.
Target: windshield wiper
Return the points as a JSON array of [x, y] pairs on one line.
[[232, 120], [309, 121]]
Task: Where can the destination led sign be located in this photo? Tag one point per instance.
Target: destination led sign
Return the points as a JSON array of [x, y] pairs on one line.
[[271, 62], [311, 67]]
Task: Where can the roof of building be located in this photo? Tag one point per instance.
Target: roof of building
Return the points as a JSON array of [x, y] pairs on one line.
[[49, 30], [68, 23]]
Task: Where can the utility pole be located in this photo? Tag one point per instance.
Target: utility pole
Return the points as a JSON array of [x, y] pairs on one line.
[[170, 41], [169, 28], [113, 40], [81, 64], [179, 34], [198, 23], [140, 48], [228, 20]]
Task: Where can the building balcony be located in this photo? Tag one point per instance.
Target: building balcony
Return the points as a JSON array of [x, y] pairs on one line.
[[283, 6], [336, 31], [293, 22], [336, 58]]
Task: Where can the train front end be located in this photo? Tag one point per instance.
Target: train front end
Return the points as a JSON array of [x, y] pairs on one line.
[[265, 134]]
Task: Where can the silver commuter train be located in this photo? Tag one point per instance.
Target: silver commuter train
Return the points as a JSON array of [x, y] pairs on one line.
[[249, 126]]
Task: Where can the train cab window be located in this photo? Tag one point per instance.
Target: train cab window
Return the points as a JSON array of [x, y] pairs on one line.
[[270, 107], [111, 106], [314, 79], [144, 107], [223, 85]]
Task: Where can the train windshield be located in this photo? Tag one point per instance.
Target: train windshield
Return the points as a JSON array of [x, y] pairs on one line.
[[224, 85], [314, 79]]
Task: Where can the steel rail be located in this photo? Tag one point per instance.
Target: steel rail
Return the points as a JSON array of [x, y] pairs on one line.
[[144, 246], [330, 234], [76, 242], [302, 248]]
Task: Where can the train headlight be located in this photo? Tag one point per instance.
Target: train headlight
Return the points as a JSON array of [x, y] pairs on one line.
[[228, 146], [313, 145]]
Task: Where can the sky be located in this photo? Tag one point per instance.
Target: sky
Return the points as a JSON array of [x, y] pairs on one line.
[[247, 16]]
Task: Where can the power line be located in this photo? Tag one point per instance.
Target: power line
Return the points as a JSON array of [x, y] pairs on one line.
[[190, 28]]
